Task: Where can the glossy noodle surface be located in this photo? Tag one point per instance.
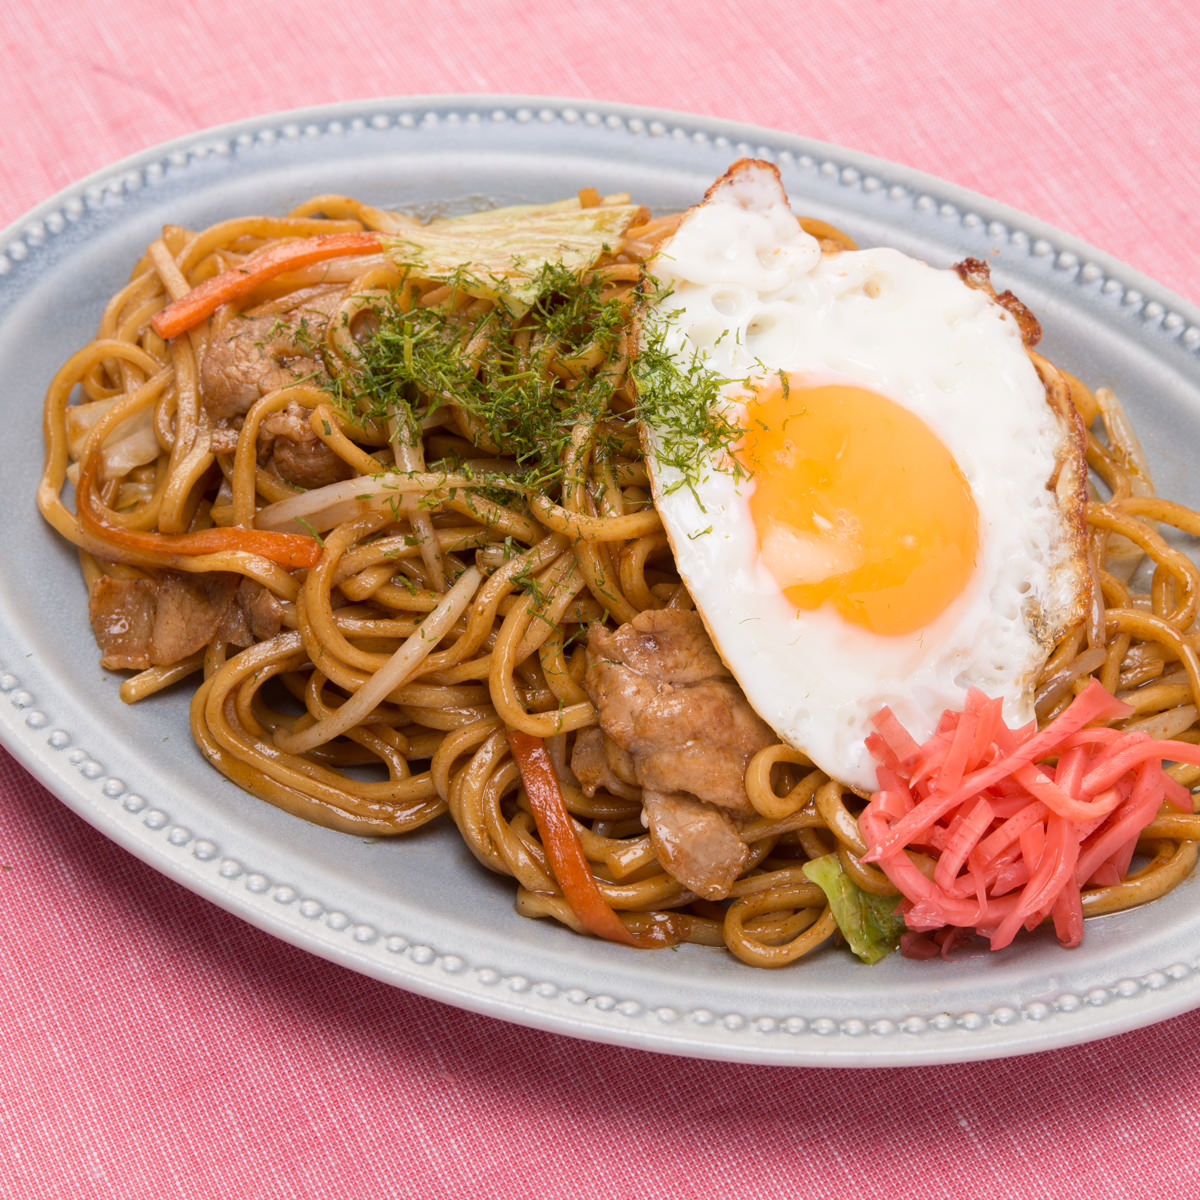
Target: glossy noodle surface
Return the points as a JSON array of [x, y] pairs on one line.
[[380, 523]]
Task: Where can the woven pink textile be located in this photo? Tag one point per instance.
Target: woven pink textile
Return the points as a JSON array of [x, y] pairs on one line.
[[151, 1045]]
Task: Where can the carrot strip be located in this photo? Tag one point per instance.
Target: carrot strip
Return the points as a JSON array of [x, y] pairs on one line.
[[563, 851], [203, 300], [287, 549]]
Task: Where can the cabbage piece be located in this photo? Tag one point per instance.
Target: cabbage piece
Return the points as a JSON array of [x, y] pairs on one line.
[[498, 254], [132, 444], [868, 922]]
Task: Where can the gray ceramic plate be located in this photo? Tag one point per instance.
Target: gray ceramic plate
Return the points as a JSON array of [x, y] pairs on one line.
[[418, 913]]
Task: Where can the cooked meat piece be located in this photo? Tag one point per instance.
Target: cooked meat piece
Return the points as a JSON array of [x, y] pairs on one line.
[[235, 628], [140, 623], [288, 445], [188, 612], [263, 611], [254, 356], [664, 696], [670, 645], [699, 845], [255, 615], [257, 355], [122, 615], [673, 720], [599, 763]]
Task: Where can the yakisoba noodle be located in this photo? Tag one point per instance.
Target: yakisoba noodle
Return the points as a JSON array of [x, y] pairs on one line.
[[440, 611]]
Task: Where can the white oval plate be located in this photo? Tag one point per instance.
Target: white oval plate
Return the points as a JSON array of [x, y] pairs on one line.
[[418, 912]]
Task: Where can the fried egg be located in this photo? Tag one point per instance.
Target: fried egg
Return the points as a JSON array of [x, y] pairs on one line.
[[898, 516]]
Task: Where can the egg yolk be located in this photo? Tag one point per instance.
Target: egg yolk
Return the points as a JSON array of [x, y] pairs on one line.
[[857, 503]]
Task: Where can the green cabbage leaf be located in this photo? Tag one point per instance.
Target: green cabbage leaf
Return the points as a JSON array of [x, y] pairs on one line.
[[868, 922], [500, 254]]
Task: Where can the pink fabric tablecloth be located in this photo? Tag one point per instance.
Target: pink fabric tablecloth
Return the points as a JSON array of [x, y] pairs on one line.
[[153, 1046]]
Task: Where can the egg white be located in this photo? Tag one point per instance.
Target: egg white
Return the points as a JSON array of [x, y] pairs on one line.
[[753, 293]]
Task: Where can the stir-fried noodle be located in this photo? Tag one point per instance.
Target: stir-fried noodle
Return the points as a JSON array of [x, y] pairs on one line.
[[382, 555]]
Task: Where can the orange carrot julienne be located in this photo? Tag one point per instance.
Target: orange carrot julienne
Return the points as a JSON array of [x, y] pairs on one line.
[[563, 851], [203, 300], [287, 549]]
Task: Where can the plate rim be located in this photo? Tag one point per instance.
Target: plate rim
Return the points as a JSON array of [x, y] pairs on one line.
[[737, 1036]]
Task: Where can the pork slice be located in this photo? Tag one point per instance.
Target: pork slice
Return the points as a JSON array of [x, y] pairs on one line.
[[664, 697], [255, 616], [264, 612], [141, 623], [253, 356], [188, 612], [699, 739], [122, 615], [288, 445], [663, 645], [600, 764], [698, 845], [256, 355], [673, 719]]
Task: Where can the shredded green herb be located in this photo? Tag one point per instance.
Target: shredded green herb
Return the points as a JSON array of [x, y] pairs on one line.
[[310, 529], [679, 399], [515, 379]]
